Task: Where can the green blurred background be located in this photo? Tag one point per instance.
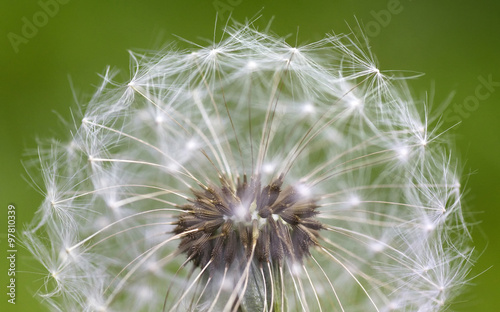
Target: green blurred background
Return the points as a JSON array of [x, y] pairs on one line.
[[452, 42]]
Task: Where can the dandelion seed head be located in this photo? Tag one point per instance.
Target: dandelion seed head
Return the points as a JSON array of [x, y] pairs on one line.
[[252, 175]]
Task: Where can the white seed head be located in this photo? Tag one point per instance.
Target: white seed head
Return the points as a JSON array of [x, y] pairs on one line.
[[252, 175]]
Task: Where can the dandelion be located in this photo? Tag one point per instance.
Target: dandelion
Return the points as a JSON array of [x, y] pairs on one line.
[[251, 175]]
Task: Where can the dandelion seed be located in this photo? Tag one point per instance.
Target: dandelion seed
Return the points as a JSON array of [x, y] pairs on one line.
[[251, 175]]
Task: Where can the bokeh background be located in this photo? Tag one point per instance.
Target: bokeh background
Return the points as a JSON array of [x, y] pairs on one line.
[[455, 43]]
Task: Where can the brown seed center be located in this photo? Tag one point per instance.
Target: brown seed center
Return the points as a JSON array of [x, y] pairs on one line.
[[232, 224]]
